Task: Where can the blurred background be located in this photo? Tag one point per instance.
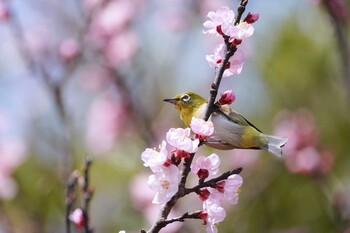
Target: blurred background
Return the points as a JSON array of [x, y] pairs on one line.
[[86, 78]]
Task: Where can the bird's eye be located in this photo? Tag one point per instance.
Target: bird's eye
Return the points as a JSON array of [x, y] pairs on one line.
[[185, 98]]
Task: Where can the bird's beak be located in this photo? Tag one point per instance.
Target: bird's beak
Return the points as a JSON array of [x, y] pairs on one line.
[[172, 101]]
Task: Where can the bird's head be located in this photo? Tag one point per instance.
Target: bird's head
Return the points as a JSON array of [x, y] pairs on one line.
[[187, 104]]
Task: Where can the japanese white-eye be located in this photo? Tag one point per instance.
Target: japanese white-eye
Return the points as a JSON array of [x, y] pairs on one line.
[[231, 129]]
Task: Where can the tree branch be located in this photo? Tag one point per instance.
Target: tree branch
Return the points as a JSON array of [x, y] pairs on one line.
[[87, 194], [212, 182], [230, 51], [70, 198]]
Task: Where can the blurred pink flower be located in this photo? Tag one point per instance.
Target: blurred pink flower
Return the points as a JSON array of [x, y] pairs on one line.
[[114, 17], [121, 48], [235, 64], [4, 11], [12, 153], [69, 49], [210, 163], [95, 78], [228, 97], [302, 153], [39, 40], [165, 183], [173, 18], [104, 121], [208, 5], [201, 127], [299, 127], [154, 159], [216, 19], [180, 139], [141, 194], [8, 187], [77, 218]]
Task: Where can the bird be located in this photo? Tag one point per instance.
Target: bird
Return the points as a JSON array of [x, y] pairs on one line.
[[231, 129]]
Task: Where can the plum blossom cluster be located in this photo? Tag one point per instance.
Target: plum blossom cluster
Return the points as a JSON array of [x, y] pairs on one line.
[[224, 191], [223, 23], [166, 164]]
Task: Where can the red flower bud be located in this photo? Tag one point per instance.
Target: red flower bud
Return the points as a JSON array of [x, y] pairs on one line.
[[203, 194], [251, 18], [227, 97], [202, 174]]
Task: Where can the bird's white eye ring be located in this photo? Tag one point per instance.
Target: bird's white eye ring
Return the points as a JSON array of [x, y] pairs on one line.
[[185, 98]]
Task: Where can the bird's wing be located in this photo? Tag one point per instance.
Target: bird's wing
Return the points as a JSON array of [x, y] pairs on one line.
[[239, 119]]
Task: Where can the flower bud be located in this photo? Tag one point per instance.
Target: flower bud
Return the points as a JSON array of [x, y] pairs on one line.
[[251, 18], [77, 218], [203, 194], [227, 97], [203, 174]]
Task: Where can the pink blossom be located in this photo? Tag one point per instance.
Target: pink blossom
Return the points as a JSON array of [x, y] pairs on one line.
[[201, 127], [235, 63], [304, 161], [4, 11], [121, 48], [165, 183], [237, 32], [154, 159], [232, 188], [227, 190], [8, 187], [39, 40], [104, 122], [69, 49], [77, 218], [12, 153], [210, 163], [215, 214], [216, 19], [299, 127], [140, 193], [95, 78], [303, 154], [107, 22], [180, 139], [228, 97]]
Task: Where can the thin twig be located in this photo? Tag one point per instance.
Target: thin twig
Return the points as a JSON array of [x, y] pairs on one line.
[[70, 198], [194, 215], [87, 194], [212, 182], [343, 44], [230, 51]]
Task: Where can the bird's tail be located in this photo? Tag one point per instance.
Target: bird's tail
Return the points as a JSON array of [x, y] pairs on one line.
[[275, 144]]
